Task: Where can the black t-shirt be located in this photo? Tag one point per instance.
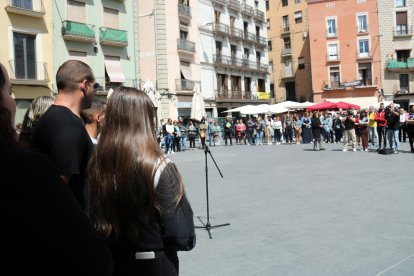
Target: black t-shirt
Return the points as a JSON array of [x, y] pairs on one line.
[[62, 136], [44, 231], [349, 124], [393, 120]]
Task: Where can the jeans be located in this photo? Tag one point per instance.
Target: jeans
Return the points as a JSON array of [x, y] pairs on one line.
[[168, 142], [392, 135], [289, 134], [210, 139], [259, 137], [374, 136], [381, 136], [250, 137], [183, 142]]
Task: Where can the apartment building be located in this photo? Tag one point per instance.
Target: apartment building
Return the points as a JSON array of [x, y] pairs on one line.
[[26, 49], [345, 51], [233, 54], [169, 55], [101, 34], [289, 52], [397, 57]]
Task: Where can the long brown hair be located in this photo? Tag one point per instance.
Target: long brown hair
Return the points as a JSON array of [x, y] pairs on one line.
[[121, 170]]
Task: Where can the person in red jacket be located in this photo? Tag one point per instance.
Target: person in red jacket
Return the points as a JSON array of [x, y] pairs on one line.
[[381, 126]]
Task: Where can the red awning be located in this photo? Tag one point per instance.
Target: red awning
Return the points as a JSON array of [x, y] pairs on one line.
[[345, 105], [322, 106]]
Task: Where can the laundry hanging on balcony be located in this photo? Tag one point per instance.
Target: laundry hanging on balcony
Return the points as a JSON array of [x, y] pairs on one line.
[[114, 69]]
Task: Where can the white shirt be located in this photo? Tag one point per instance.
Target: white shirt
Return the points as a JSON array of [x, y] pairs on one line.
[[402, 118], [169, 128]]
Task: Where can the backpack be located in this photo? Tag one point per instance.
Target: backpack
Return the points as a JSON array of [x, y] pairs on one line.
[[385, 151]]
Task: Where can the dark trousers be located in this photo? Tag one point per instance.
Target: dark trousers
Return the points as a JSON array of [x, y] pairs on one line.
[[338, 135], [364, 137], [203, 142], [278, 135], [227, 135], [289, 134], [410, 132], [381, 136], [192, 142], [403, 132]]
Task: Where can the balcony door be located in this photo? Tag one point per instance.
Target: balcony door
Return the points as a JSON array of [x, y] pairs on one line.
[[76, 11], [290, 91], [365, 73], [403, 55], [24, 56], [404, 83]]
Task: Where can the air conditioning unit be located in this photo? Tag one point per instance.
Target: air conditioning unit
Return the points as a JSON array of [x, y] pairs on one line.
[[305, 34]]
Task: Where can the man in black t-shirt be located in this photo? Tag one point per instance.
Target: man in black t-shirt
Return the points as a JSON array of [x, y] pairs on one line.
[[61, 133], [392, 115]]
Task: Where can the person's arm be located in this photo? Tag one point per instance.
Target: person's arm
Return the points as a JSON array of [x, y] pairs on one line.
[[176, 218]]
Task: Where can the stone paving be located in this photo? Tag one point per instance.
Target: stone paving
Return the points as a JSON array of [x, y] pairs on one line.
[[293, 211]]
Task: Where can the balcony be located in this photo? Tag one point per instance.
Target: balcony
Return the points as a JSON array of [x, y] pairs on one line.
[[183, 84], [236, 34], [238, 96], [332, 57], [184, 12], [332, 85], [287, 73], [394, 65], [249, 37], [259, 16], [234, 5], [221, 29], [403, 32], [237, 63], [364, 56], [113, 37], [106, 84], [286, 52], [26, 73], [261, 42], [77, 31], [185, 46], [32, 8], [285, 30], [221, 3], [247, 10]]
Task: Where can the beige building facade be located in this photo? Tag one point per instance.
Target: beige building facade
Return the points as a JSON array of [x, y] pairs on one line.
[[27, 49], [168, 54], [288, 49]]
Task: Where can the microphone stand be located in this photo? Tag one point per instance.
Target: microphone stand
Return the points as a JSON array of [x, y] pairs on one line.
[[206, 225]]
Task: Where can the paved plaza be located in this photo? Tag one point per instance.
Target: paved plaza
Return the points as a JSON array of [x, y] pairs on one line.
[[294, 211]]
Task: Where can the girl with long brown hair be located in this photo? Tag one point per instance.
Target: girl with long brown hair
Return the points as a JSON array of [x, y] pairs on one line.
[[137, 197]]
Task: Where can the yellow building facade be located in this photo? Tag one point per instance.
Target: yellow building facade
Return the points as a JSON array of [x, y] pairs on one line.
[[27, 49], [289, 52]]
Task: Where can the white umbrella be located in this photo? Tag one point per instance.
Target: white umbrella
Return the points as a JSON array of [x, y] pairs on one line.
[[197, 107], [237, 109], [277, 108], [255, 109], [290, 104], [306, 104]]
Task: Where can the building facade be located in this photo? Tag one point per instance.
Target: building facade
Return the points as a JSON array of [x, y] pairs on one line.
[[345, 51], [169, 53], [26, 50], [233, 54], [396, 42], [289, 52], [101, 34]]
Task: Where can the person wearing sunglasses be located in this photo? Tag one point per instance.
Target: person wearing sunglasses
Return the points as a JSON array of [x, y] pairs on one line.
[[60, 133]]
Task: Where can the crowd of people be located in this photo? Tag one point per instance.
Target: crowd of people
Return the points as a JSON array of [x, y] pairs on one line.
[[353, 128], [86, 189]]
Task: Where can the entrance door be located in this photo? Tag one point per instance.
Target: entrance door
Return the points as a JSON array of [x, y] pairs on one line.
[[290, 91]]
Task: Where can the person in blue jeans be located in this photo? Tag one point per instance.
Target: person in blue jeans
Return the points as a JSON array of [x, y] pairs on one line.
[[210, 131], [169, 131], [259, 131]]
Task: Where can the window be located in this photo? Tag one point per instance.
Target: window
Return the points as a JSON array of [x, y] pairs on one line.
[[331, 26], [24, 4], [269, 45], [24, 56], [404, 83], [301, 63], [76, 11], [286, 43], [268, 23], [267, 4], [219, 47], [401, 23], [217, 16], [403, 55], [400, 3], [287, 68], [297, 1], [298, 17], [363, 46], [334, 77], [111, 18], [362, 23], [77, 55], [333, 53], [285, 23], [270, 66], [365, 73], [246, 53], [285, 3]]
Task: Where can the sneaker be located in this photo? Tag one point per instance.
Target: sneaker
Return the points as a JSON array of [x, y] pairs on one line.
[[173, 152], [344, 150], [353, 149], [396, 152]]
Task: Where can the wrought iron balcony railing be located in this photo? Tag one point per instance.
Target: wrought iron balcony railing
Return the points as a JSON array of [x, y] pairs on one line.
[[236, 33], [220, 2], [34, 8], [22, 70], [220, 28], [183, 84], [186, 45], [407, 31], [259, 15], [249, 37], [184, 10]]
